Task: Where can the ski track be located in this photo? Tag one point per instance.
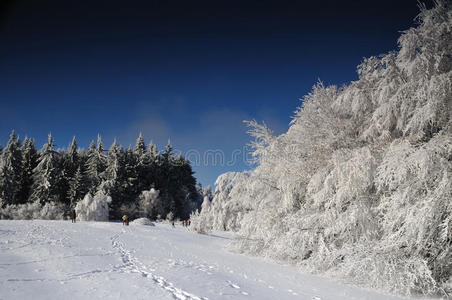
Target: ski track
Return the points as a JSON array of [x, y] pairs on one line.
[[132, 265]]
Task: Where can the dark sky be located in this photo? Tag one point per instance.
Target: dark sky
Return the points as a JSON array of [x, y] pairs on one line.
[[186, 70]]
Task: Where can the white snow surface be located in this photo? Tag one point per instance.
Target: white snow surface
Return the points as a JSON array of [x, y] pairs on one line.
[[101, 260]]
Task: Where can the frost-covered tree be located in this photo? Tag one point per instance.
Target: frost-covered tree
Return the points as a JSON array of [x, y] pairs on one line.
[[360, 185], [131, 175], [29, 162], [69, 164], [78, 187], [46, 175], [33, 210], [150, 205], [10, 171], [93, 208], [140, 146], [145, 164], [95, 164], [115, 178]]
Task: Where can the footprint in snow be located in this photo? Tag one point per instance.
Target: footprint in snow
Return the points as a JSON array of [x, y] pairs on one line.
[[316, 298], [233, 285]]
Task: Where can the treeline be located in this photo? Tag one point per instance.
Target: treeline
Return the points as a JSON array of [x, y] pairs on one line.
[[64, 176]]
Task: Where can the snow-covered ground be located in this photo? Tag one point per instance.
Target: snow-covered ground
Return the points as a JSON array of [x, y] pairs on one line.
[[101, 260]]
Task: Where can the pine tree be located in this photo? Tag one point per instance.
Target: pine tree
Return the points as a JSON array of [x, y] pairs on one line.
[[10, 171], [114, 179], [152, 150], [77, 187], [29, 162], [91, 168], [46, 175], [143, 162], [149, 162], [95, 165], [69, 166], [140, 147], [131, 166]]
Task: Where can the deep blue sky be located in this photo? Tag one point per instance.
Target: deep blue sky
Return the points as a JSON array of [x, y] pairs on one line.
[[186, 70]]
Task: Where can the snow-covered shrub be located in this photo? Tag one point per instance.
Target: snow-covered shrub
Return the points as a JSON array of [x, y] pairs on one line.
[[26, 211], [34, 210], [142, 221], [150, 204], [198, 224], [93, 208], [52, 211], [170, 216], [360, 186]]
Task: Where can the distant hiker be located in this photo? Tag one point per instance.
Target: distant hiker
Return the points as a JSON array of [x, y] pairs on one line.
[[183, 223], [189, 222], [73, 216], [125, 220], [186, 223], [173, 224]]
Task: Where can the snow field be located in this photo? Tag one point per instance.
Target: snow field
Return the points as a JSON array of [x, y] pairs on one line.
[[93, 260]]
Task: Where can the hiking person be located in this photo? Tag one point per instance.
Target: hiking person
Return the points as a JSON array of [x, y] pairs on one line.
[[125, 220], [73, 216], [186, 223], [189, 222], [173, 224]]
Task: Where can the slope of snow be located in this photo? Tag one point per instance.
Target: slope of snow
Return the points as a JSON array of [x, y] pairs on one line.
[[100, 260]]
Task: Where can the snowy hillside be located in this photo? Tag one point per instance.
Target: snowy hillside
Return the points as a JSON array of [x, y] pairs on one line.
[[100, 260]]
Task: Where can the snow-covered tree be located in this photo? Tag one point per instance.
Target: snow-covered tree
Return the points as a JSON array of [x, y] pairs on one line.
[[93, 208], [77, 187], [140, 146], [69, 165], [46, 175], [114, 178], [29, 162], [63, 177], [150, 204], [360, 185], [95, 164], [10, 171]]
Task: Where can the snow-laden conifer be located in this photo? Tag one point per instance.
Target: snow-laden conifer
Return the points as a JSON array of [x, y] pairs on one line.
[[46, 175], [29, 162], [10, 171]]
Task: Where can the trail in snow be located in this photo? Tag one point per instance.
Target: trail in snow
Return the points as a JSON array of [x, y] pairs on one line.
[[53, 259], [132, 265]]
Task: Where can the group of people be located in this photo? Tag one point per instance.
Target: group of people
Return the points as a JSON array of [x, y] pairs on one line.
[[185, 223], [125, 220]]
